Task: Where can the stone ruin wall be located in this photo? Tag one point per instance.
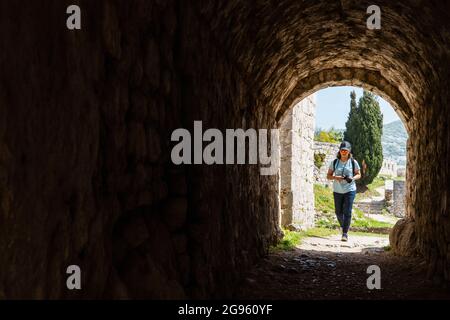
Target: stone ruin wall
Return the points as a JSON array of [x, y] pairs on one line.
[[399, 196], [389, 168], [297, 165], [330, 151]]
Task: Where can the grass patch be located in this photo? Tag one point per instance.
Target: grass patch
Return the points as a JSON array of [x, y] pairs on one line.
[[371, 191], [361, 221], [386, 177], [367, 234], [323, 199], [324, 205], [326, 218], [320, 232], [326, 232], [292, 239]]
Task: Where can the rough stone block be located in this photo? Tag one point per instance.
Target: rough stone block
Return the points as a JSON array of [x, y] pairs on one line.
[[175, 212], [135, 231], [152, 62]]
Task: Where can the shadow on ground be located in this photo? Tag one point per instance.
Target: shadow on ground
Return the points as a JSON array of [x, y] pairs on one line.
[[317, 275]]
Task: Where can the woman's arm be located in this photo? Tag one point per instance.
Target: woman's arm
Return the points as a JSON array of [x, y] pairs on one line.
[[331, 177], [357, 175]]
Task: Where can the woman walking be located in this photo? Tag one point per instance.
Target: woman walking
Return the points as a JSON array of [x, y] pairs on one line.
[[344, 170]]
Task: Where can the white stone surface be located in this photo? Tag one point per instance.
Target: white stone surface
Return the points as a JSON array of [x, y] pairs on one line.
[[297, 165], [330, 151], [389, 167]]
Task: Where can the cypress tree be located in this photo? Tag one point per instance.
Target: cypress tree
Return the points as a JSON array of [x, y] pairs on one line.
[[364, 128], [349, 125]]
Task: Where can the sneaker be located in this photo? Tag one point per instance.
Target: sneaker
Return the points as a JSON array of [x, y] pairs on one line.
[[344, 237]]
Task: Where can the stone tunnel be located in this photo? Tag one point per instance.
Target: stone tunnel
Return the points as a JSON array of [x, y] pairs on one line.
[[86, 118]]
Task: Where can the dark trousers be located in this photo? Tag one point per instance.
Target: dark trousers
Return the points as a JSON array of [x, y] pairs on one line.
[[343, 203]]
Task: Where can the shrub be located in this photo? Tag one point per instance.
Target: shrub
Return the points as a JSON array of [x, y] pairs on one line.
[[319, 158]]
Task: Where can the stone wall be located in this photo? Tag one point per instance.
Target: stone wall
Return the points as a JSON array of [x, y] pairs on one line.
[[389, 194], [389, 167], [398, 199], [297, 139], [330, 151], [401, 171], [85, 170]]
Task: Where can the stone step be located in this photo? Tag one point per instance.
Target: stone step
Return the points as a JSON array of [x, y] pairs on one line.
[[369, 210], [371, 207], [377, 203]]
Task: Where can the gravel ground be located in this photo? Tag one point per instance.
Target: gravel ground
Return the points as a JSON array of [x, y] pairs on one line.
[[325, 268]]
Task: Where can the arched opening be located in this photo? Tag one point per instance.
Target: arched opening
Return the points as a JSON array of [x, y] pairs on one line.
[[305, 159], [369, 80]]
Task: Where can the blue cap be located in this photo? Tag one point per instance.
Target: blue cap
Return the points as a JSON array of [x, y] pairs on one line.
[[345, 145]]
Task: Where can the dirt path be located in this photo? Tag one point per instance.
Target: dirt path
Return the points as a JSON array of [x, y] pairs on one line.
[[383, 217], [356, 244], [325, 268], [390, 218], [378, 198]]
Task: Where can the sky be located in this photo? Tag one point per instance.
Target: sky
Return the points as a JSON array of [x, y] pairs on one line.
[[333, 106]]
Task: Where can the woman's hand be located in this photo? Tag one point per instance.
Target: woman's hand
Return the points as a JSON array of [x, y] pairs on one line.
[[338, 178]]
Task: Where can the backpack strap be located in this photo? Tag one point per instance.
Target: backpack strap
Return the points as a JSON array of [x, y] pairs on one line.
[[353, 166]]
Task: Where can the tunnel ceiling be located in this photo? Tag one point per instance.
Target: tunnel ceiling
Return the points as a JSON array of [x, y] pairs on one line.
[[280, 44]]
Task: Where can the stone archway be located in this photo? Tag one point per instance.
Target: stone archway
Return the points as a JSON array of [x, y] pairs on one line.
[[296, 121], [368, 79], [86, 119], [398, 59]]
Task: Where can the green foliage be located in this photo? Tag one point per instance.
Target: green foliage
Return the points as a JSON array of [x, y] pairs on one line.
[[326, 218], [324, 136], [293, 239], [368, 234], [323, 199], [360, 221], [320, 232], [336, 135], [332, 135], [379, 181], [319, 158], [364, 129], [371, 191], [324, 206], [290, 240]]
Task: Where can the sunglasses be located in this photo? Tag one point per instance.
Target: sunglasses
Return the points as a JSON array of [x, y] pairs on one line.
[[343, 150]]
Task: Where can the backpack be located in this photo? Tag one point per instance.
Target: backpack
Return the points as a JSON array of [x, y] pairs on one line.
[[353, 165]]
